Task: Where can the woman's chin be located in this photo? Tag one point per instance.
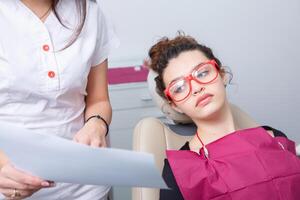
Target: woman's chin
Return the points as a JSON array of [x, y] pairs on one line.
[[208, 112]]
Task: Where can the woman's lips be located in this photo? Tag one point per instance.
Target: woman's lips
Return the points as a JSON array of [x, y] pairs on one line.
[[204, 100]]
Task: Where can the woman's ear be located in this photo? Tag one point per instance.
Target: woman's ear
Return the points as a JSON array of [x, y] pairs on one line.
[[225, 77]]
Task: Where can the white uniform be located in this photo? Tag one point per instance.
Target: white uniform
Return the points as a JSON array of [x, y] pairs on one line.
[[43, 88]]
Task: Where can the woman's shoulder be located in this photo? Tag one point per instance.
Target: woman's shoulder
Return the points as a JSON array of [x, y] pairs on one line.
[[186, 146], [95, 10], [275, 132]]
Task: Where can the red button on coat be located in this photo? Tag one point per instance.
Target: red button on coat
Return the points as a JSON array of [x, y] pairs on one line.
[[46, 47], [51, 74]]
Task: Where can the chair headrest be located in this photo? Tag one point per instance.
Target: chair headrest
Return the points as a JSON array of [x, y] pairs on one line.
[[163, 105], [242, 119]]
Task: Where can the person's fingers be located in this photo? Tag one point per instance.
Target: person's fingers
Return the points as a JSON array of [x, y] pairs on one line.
[[75, 139], [27, 193], [21, 177], [9, 183], [16, 194], [7, 192], [103, 143], [52, 183], [96, 143], [83, 140]]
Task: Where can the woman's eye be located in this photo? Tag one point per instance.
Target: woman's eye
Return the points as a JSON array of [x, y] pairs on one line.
[[179, 89], [202, 74]]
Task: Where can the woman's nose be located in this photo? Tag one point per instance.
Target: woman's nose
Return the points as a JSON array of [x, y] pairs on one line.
[[196, 88]]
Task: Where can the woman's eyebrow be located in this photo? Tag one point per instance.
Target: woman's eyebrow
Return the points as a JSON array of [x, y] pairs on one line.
[[189, 73], [197, 66], [176, 79]]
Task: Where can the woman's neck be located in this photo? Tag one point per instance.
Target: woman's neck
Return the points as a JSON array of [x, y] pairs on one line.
[[41, 8], [37, 4], [217, 126]]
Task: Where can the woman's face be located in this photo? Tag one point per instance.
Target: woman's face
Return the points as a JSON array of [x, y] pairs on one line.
[[205, 100]]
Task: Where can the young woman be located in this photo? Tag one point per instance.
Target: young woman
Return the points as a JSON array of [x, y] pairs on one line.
[[222, 161], [53, 63]]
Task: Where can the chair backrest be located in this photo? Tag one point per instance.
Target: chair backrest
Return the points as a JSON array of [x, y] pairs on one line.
[[153, 136]]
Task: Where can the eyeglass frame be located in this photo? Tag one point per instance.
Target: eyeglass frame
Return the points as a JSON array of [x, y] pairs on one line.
[[189, 78]]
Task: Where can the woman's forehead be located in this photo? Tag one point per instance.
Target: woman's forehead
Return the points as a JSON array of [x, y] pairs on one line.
[[183, 64]]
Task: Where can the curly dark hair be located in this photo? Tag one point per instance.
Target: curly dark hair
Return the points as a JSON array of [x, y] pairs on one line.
[[165, 49]]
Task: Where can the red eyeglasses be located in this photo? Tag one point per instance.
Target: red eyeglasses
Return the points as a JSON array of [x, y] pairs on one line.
[[204, 73]]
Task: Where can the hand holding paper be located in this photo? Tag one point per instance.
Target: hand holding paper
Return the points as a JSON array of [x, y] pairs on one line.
[[61, 160]]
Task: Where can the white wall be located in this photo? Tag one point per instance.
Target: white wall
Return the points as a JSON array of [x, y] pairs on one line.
[[258, 39]]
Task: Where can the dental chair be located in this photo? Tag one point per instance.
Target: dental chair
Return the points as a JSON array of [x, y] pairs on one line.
[[155, 136]]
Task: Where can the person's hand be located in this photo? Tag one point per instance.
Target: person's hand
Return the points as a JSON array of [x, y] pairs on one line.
[[92, 133], [15, 184]]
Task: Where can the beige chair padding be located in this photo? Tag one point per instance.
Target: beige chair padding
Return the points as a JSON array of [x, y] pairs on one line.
[[152, 136]]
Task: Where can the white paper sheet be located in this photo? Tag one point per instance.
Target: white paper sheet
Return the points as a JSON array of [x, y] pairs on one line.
[[61, 160]]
